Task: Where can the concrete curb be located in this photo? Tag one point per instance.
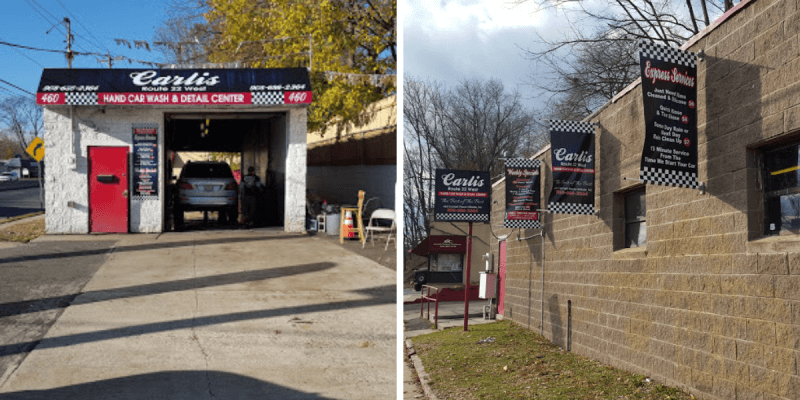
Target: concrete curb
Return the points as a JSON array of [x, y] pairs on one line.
[[22, 219], [424, 378]]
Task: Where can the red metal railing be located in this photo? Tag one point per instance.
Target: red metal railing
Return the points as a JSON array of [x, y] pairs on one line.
[[427, 299]]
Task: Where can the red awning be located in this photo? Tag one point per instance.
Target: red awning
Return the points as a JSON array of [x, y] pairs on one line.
[[441, 244]]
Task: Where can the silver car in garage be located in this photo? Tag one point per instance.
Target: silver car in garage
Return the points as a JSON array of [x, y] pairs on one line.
[[207, 186]]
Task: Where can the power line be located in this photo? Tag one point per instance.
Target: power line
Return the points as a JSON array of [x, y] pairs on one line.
[[16, 87], [77, 53], [26, 56]]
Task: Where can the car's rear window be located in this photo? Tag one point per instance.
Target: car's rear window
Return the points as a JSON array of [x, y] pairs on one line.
[[206, 171]]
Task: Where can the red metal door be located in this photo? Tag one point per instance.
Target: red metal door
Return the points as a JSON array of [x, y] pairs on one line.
[[501, 275], [108, 189]]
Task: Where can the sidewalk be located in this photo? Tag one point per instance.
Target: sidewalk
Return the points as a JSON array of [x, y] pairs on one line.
[[220, 314]]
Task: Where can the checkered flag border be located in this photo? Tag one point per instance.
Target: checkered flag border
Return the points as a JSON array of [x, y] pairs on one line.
[[267, 98], [524, 224], [80, 98], [570, 208], [462, 217], [143, 198], [657, 51], [668, 177], [571, 126], [522, 163]]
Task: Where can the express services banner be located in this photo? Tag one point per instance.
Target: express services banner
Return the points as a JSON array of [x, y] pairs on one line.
[[462, 196], [572, 151], [522, 193], [669, 91]]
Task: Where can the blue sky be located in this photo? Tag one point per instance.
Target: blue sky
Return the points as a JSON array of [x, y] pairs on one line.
[[95, 25]]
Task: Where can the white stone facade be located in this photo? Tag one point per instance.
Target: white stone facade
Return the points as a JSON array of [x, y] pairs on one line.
[[69, 131]]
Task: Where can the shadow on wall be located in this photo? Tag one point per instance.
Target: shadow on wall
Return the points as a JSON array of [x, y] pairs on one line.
[[734, 116], [555, 321], [170, 385]]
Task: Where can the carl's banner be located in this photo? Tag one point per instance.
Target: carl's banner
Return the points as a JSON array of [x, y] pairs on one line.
[[522, 193], [669, 89], [572, 151], [462, 196]]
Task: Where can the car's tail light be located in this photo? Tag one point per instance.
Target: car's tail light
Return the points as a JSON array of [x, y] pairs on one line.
[[230, 186], [186, 185]]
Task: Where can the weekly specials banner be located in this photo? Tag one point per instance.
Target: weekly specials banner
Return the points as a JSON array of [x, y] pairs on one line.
[[462, 196], [124, 86], [522, 193], [669, 89], [572, 151]]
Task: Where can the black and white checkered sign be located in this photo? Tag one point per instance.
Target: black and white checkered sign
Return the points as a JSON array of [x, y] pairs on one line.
[[522, 163], [660, 52], [81, 98], [666, 177], [571, 126], [267, 98], [522, 224], [462, 217], [570, 208]]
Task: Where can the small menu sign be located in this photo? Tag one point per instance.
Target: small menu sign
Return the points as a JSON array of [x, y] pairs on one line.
[[145, 161]]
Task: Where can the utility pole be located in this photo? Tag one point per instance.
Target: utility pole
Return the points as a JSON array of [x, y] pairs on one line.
[[110, 60], [70, 55]]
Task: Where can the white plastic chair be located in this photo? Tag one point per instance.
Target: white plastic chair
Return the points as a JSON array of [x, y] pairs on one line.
[[371, 229]]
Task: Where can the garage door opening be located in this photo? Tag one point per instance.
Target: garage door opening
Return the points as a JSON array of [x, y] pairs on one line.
[[208, 155]]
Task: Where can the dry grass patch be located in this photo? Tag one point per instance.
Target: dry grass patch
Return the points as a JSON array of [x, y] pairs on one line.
[[520, 364], [22, 232]]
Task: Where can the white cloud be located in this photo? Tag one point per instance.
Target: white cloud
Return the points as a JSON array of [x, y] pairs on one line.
[[451, 40]]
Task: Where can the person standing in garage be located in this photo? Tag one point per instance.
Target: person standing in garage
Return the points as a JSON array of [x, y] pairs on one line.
[[251, 190]]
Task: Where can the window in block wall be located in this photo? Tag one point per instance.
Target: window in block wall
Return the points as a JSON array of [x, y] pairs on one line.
[[635, 222], [782, 189]]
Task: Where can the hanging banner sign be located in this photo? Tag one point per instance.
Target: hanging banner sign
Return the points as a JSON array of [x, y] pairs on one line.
[[145, 161], [522, 193], [572, 151], [669, 91], [462, 196], [83, 87]]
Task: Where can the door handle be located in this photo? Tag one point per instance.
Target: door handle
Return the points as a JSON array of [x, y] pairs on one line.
[[125, 193]]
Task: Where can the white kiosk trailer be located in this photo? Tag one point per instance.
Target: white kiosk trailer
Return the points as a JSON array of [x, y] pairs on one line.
[[110, 136]]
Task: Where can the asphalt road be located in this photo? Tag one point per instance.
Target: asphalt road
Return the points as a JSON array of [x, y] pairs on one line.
[[19, 198], [39, 281]]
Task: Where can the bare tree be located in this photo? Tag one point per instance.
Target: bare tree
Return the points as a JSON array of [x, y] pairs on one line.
[[21, 118], [469, 127], [184, 36], [593, 58]]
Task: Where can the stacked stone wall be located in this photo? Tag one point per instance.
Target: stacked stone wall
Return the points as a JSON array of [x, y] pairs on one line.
[[710, 304]]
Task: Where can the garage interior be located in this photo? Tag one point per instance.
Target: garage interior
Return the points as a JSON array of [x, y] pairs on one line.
[[259, 140]]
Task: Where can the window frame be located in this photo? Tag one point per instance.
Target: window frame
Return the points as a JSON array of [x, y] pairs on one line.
[[769, 195]]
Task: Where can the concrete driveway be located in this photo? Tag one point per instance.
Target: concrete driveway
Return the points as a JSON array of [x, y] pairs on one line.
[[221, 314]]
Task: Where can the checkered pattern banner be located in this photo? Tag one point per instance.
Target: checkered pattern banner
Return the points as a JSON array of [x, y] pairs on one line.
[[522, 163], [81, 98], [660, 52], [571, 126], [461, 217], [522, 224], [571, 208], [666, 177], [268, 98]]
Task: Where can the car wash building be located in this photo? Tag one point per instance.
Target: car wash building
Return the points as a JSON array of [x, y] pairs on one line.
[[111, 134]]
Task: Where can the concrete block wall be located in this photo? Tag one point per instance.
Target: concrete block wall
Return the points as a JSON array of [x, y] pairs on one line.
[[710, 304], [67, 181]]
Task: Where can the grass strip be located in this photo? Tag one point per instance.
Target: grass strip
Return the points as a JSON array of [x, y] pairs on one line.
[[511, 362], [22, 232]]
